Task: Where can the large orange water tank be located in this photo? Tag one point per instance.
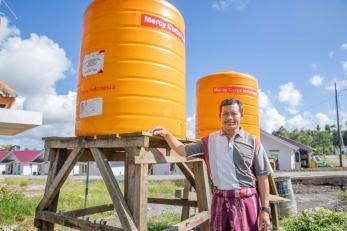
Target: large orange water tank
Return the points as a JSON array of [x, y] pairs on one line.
[[213, 89], [132, 68]]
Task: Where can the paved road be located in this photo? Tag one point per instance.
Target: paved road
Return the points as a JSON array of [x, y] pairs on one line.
[[336, 159]]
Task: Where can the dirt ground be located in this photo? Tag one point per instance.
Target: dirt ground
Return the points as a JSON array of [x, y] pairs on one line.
[[311, 196]]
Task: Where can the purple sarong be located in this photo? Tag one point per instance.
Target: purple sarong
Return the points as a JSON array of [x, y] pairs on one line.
[[235, 210]]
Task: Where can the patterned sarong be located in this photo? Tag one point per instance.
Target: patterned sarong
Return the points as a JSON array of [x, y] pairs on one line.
[[235, 210]]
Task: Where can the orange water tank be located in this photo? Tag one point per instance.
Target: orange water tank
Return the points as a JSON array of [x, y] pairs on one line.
[[213, 89], [132, 68]]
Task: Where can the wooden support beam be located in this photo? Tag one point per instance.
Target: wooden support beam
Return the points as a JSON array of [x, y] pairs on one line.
[[203, 189], [116, 142], [59, 180], [73, 222], [274, 207], [186, 193], [190, 223], [188, 173], [173, 201], [56, 159], [137, 188], [114, 190], [89, 211], [180, 193]]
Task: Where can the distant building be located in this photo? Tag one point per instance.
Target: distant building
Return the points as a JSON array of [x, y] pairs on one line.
[[29, 163], [6, 160], [80, 168], [286, 154]]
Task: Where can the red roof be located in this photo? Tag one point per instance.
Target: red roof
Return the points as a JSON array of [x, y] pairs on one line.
[[26, 156], [3, 154]]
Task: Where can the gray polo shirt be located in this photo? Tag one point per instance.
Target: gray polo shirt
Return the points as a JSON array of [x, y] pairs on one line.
[[234, 163]]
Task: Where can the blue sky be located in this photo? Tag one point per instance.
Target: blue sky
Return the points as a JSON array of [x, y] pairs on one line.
[[296, 49]]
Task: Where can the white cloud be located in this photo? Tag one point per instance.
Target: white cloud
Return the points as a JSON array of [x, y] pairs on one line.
[[191, 126], [309, 121], [331, 54], [32, 67], [344, 46], [221, 5], [299, 122], [291, 96], [270, 118], [344, 66], [323, 119], [6, 30], [316, 80]]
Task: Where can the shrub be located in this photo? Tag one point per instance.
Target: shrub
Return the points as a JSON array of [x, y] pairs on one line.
[[318, 219], [14, 207]]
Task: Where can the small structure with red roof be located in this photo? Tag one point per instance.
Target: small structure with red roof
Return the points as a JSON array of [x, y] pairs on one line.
[[6, 161], [29, 162]]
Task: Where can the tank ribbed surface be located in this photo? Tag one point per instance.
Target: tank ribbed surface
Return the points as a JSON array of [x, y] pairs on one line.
[[213, 89], [132, 68]]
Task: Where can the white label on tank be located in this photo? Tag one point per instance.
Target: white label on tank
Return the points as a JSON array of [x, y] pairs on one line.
[[93, 63], [91, 107]]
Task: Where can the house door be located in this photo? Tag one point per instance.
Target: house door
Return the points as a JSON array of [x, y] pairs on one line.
[[10, 168]]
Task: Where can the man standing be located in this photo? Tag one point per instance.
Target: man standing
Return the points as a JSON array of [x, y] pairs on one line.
[[238, 167]]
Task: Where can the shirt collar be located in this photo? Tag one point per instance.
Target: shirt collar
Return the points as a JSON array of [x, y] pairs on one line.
[[240, 133]]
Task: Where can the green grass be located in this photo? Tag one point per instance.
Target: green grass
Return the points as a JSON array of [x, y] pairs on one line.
[[163, 221], [317, 220], [15, 207], [23, 182]]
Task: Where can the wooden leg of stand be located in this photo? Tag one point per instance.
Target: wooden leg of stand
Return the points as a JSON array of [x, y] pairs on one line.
[[186, 209], [57, 158], [137, 190], [203, 190]]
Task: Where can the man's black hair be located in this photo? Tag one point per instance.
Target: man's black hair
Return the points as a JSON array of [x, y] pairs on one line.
[[231, 101]]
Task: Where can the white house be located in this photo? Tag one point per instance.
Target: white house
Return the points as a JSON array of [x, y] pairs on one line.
[[285, 154], [28, 162], [81, 168], [6, 160]]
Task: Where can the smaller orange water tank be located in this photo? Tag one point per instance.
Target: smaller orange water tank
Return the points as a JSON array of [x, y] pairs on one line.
[[213, 89]]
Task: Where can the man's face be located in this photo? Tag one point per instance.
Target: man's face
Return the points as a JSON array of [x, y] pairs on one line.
[[231, 117]]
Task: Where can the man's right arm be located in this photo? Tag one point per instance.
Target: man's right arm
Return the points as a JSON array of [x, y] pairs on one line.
[[173, 142]]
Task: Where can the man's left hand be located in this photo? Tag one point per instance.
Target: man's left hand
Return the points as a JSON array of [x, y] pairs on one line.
[[264, 221]]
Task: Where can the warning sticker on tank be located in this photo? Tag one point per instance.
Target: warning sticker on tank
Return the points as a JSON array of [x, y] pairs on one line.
[[93, 63], [91, 107], [153, 21], [239, 90]]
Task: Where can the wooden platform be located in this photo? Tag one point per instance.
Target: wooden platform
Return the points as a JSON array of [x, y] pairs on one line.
[[138, 151]]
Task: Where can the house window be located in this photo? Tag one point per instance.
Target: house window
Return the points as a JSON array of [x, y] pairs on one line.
[[83, 168]]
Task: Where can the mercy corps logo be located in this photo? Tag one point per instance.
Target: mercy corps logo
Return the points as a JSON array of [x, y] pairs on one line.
[[239, 90], [153, 21]]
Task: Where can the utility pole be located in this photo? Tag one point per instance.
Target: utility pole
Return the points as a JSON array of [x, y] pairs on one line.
[[338, 126]]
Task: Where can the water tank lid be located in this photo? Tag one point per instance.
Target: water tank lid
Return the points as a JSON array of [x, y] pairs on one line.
[[227, 72]]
